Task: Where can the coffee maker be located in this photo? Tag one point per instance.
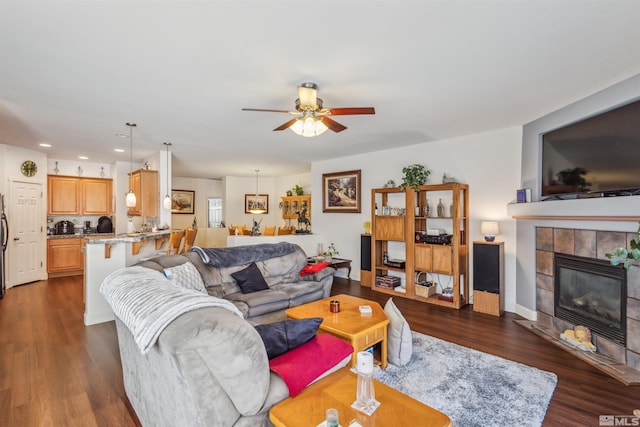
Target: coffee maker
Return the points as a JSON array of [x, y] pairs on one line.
[[87, 227]]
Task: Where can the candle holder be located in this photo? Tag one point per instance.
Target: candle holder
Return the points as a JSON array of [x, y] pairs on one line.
[[365, 394]]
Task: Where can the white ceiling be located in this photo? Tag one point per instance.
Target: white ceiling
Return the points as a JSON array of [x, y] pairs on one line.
[[73, 72]]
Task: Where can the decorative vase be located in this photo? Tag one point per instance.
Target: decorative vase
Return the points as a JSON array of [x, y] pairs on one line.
[[440, 209]]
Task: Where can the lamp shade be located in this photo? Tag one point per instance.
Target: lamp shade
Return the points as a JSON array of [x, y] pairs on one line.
[[166, 203], [308, 126], [489, 229], [130, 201]]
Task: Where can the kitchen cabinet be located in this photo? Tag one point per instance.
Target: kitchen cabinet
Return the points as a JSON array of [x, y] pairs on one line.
[[68, 195], [65, 257], [144, 184]]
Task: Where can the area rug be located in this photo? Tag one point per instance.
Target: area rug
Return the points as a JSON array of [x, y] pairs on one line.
[[471, 387]]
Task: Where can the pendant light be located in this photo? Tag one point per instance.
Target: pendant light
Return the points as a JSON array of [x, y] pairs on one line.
[[131, 196], [256, 210], [166, 203]]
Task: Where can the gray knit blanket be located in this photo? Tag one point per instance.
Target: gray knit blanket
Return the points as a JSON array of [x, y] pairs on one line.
[[240, 255], [146, 302]]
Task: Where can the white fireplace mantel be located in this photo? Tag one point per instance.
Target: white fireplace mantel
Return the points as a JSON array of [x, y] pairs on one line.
[[623, 208]]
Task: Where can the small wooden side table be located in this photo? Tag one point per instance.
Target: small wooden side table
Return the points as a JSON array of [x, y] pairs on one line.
[[360, 331]]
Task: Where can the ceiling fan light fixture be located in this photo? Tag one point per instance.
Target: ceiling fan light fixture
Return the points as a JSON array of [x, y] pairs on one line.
[[309, 126]]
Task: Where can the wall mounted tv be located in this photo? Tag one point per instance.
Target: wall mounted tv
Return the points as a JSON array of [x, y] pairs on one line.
[[599, 156]]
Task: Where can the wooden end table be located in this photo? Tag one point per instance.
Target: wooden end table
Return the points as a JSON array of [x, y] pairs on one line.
[[360, 331], [338, 391], [335, 263]]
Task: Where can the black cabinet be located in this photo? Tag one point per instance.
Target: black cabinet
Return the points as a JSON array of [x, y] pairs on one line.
[[488, 277]]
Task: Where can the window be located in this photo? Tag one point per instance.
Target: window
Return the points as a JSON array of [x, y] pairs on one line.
[[215, 211]]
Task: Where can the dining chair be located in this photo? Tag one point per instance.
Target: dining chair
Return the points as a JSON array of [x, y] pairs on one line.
[[175, 239], [189, 238], [269, 231]]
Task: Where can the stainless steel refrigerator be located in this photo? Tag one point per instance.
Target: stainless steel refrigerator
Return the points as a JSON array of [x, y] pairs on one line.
[[4, 238]]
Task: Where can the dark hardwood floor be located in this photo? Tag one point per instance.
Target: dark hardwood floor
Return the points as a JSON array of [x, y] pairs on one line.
[[54, 371]]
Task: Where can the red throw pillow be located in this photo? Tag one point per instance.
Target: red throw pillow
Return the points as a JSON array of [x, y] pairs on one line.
[[303, 365], [313, 268]]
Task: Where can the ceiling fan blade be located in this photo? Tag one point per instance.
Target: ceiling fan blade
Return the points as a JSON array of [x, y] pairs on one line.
[[266, 110], [286, 125], [351, 111], [333, 125]]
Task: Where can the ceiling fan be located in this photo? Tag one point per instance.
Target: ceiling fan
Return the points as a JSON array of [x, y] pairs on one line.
[[312, 119]]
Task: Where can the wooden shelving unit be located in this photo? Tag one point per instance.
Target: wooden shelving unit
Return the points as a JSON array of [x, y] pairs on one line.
[[448, 262]]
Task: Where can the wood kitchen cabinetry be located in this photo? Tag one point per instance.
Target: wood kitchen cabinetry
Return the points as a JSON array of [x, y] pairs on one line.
[[65, 257], [399, 222], [68, 195], [144, 184]]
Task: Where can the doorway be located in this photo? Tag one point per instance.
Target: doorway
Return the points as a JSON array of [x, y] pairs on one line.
[[25, 251]]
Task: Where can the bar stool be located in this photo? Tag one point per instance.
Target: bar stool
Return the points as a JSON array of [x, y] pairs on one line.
[[175, 238], [189, 238]]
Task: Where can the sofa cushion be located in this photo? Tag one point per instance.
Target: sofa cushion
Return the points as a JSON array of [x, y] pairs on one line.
[[250, 279], [306, 363], [399, 342], [280, 337], [258, 303], [186, 276]]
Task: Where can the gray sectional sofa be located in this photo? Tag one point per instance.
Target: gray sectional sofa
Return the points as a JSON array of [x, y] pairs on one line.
[[207, 365]]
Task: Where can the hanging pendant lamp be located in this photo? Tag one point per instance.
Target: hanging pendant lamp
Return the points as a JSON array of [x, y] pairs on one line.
[[256, 209], [131, 196], [166, 203]]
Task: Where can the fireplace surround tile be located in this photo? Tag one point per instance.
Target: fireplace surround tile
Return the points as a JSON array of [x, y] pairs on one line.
[[633, 360], [585, 243], [633, 335], [563, 241], [607, 240], [633, 282], [610, 349], [545, 282], [544, 262], [544, 238], [544, 301]]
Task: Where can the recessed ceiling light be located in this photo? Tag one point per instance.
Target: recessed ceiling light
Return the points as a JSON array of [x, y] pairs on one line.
[[83, 157], [118, 150], [122, 135], [43, 144]]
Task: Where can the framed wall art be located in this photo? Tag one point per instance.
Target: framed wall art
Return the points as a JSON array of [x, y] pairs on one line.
[[341, 192], [256, 201], [182, 201]]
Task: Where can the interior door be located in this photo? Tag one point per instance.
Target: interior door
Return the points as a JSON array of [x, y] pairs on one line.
[[25, 256]]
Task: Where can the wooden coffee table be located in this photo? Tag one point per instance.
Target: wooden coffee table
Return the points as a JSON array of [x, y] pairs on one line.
[[338, 391], [360, 331]]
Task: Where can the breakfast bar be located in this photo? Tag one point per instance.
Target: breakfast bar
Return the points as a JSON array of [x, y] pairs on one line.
[[104, 255]]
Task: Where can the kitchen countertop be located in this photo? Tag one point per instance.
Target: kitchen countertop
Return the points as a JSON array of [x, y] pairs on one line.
[[131, 238], [79, 236]]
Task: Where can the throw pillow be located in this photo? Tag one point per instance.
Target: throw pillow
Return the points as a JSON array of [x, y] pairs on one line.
[[312, 268], [281, 337], [399, 345], [250, 279], [187, 276]]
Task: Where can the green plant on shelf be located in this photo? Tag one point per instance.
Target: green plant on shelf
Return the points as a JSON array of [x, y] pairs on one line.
[[414, 176], [331, 250]]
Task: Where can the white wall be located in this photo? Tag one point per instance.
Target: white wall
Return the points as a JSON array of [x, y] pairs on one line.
[[204, 188], [488, 162]]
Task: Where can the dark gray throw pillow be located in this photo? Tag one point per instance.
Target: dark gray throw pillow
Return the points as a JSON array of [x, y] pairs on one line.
[[250, 279], [280, 337]]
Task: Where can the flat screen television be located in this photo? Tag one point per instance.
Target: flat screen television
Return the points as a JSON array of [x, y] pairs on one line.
[[599, 155]]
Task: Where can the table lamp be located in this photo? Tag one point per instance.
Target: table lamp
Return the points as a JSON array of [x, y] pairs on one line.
[[489, 229]]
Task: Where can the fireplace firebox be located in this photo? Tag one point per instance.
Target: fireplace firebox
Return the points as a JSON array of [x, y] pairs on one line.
[[593, 293]]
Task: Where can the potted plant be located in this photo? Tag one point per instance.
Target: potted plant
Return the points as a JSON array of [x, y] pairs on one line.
[[624, 256], [330, 252], [414, 176], [298, 190]]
